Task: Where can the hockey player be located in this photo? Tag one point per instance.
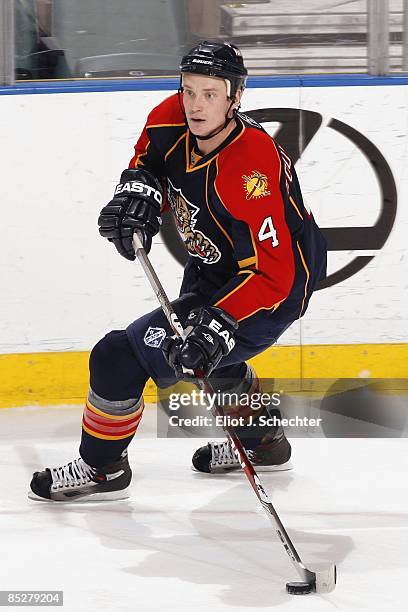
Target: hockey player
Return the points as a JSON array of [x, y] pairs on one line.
[[255, 257]]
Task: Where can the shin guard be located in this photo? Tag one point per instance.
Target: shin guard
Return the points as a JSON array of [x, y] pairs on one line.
[[108, 427]]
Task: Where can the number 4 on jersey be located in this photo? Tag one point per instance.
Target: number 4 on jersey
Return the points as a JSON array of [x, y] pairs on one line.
[[268, 231]]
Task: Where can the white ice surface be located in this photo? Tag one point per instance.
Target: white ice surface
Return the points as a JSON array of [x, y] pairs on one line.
[[186, 541]]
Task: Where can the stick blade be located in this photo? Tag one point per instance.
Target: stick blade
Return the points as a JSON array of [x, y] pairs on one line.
[[326, 579]]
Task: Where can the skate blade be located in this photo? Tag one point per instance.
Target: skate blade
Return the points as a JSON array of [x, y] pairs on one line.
[[93, 497], [284, 467]]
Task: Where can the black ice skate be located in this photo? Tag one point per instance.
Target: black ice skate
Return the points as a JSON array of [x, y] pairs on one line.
[[268, 450], [77, 481]]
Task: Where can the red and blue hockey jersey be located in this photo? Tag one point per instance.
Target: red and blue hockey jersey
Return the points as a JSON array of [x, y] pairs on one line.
[[252, 244]]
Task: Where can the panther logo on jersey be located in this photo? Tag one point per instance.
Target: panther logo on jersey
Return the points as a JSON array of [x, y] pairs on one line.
[[256, 185], [185, 214]]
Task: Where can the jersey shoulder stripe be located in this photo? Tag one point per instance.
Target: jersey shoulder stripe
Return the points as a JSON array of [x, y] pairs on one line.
[[166, 114], [249, 122], [253, 144]]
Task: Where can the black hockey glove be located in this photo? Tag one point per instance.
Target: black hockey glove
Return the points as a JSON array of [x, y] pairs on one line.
[[210, 336], [135, 206]]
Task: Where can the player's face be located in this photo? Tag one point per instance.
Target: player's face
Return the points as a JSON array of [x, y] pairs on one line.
[[205, 102]]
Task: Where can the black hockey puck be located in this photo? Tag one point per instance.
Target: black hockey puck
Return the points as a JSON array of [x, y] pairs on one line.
[[299, 588]]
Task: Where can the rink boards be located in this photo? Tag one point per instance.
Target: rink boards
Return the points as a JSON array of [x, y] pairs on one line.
[[63, 286]]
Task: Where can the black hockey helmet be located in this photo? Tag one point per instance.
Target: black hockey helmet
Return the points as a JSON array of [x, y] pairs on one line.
[[217, 59]]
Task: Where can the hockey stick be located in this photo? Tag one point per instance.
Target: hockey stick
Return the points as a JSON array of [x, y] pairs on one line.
[[322, 581]]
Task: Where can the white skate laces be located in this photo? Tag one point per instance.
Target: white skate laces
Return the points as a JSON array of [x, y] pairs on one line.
[[222, 455], [73, 474]]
